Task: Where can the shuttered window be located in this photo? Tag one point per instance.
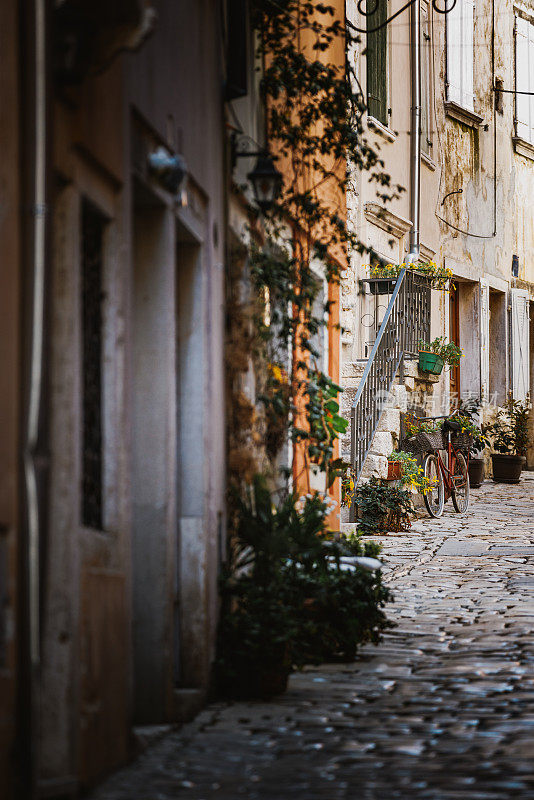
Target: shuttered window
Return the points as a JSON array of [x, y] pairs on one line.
[[524, 78], [460, 54], [426, 78], [520, 336], [376, 51]]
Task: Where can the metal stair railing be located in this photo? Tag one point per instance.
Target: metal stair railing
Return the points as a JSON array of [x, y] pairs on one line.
[[405, 323]]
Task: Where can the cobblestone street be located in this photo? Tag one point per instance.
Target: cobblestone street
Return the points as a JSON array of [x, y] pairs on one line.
[[442, 708]]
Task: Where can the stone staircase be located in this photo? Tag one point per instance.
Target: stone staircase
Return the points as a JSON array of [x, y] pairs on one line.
[[415, 391]]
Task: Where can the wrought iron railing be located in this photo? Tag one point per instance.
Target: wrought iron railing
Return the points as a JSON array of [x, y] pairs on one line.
[[405, 323]]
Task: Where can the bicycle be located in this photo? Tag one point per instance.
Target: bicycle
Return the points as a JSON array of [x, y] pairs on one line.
[[452, 479]]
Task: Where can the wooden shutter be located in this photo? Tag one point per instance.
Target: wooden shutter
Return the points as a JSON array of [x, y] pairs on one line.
[[426, 72], [377, 83], [460, 54], [524, 78], [468, 55], [454, 49], [484, 340], [520, 330]]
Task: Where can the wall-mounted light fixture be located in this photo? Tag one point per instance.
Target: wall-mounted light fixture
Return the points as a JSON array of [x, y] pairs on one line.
[[169, 170], [265, 179]]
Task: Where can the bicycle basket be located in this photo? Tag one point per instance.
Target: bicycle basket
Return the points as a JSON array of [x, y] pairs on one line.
[[422, 443], [461, 440]]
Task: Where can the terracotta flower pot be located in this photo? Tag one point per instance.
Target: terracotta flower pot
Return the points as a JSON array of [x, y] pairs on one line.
[[476, 472], [394, 471], [507, 468]]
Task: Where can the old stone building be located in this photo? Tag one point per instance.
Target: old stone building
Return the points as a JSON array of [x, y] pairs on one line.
[[113, 489], [476, 185]]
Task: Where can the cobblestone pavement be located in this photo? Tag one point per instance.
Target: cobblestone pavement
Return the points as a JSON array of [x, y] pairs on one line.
[[443, 708]]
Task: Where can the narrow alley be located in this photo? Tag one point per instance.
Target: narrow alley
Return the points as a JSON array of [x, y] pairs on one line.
[[443, 708]]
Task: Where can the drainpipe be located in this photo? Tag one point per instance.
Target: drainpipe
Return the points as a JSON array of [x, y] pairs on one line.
[[33, 21], [415, 128]]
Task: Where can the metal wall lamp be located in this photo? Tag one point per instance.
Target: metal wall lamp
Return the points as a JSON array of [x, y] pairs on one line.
[[265, 179]]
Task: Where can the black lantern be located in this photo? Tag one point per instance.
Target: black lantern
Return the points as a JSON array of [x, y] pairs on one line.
[[266, 182]]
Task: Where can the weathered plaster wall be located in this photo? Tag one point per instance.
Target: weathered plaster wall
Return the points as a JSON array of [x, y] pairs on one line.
[[164, 438]]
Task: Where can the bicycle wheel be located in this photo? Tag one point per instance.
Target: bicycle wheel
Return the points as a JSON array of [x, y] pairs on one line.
[[460, 480], [435, 497]]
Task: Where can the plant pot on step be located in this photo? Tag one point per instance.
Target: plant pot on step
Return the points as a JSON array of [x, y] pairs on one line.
[[476, 472], [394, 471], [507, 468], [430, 362]]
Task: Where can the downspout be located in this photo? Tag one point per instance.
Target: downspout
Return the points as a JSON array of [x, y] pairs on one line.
[[34, 454], [415, 130]]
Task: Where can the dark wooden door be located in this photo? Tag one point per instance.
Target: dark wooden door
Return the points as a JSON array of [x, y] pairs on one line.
[[454, 336]]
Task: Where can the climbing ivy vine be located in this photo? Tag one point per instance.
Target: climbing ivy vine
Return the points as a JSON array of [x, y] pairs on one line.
[[314, 110]]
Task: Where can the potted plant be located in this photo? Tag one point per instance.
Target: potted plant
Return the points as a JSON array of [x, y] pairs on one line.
[[402, 466], [468, 413], [434, 355], [382, 508], [383, 278], [287, 598], [510, 437]]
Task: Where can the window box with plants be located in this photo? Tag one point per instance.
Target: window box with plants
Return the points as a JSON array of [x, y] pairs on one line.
[[382, 277], [509, 435], [434, 355]]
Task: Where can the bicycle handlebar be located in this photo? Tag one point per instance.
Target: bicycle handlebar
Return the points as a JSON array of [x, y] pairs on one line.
[[442, 416]]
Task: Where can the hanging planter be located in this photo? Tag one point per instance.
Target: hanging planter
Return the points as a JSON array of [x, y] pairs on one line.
[[380, 286], [430, 362], [434, 355]]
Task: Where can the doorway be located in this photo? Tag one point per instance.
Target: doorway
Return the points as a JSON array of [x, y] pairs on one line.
[[153, 428], [454, 336]]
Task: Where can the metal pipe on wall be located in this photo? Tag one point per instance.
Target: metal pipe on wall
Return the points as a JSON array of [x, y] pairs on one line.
[[415, 129], [34, 456]]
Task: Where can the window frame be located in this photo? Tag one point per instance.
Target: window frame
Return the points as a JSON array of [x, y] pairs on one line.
[[460, 94], [371, 23], [524, 131], [426, 136]]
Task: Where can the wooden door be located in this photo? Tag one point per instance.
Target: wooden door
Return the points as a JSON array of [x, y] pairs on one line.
[[454, 336]]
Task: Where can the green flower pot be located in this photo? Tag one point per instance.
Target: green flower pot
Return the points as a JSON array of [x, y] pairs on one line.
[[430, 362]]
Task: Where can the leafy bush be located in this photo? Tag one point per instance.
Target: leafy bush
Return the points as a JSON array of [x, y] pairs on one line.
[[289, 596], [382, 508]]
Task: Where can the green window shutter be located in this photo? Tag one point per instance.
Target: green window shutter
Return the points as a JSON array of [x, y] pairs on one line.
[[377, 94]]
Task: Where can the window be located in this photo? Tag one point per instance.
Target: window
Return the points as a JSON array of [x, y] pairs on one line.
[[426, 81], [460, 54], [92, 243], [376, 52], [524, 79], [319, 338]]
